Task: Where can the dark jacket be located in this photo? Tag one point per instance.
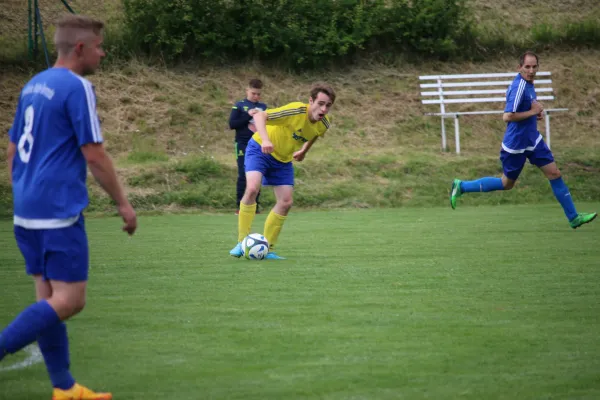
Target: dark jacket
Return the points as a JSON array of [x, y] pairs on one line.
[[239, 119]]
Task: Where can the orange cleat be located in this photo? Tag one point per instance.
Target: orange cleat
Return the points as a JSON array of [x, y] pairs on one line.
[[78, 392]]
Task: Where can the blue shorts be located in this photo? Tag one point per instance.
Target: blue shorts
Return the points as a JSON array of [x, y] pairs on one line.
[[512, 164], [57, 254], [275, 172]]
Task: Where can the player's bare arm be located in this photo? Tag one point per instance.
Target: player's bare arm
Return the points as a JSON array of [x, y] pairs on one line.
[[300, 154], [260, 121], [102, 168], [10, 155], [536, 109]]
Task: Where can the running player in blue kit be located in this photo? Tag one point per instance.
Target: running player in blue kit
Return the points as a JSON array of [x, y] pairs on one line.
[[522, 141], [55, 136]]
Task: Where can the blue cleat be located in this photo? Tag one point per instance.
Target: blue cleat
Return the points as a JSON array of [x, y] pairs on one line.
[[272, 256], [237, 251]]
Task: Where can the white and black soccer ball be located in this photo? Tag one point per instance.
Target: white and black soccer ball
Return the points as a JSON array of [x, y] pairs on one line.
[[255, 246]]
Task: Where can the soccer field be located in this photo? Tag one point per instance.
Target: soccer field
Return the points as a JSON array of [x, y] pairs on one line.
[[478, 303]]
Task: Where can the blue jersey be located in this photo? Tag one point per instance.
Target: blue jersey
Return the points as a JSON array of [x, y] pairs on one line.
[[56, 115], [523, 135]]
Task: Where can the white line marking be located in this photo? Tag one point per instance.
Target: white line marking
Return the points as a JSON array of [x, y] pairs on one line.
[[34, 357]]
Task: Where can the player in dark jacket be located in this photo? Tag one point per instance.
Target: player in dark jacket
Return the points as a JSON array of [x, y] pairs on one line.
[[240, 118]]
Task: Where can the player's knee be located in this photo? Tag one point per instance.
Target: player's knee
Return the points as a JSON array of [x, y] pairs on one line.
[[252, 191], [78, 306], [554, 174], [67, 306], [286, 202], [507, 183]]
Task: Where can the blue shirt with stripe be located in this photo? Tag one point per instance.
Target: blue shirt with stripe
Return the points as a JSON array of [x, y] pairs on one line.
[[56, 115], [522, 135]]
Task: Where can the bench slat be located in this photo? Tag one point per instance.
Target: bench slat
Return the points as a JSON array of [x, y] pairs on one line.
[[477, 100], [465, 92], [490, 83], [469, 76], [452, 114]]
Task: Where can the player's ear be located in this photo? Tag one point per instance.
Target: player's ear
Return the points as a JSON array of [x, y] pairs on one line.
[[78, 48]]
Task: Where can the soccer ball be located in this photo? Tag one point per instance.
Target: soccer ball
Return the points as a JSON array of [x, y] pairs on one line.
[[255, 246]]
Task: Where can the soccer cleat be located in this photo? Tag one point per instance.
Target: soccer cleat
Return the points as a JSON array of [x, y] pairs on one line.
[[78, 392], [455, 192], [582, 218], [272, 256], [237, 251]]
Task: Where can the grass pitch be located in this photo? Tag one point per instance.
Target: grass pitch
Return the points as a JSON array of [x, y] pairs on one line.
[[478, 303]]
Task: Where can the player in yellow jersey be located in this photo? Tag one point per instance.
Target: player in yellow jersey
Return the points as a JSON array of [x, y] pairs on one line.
[[283, 134]]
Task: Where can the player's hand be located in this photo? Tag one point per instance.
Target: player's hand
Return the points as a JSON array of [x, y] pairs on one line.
[[299, 155], [537, 107], [267, 147], [539, 116], [128, 214], [253, 111]]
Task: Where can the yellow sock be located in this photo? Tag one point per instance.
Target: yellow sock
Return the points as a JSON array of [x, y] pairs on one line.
[[273, 226], [247, 213]]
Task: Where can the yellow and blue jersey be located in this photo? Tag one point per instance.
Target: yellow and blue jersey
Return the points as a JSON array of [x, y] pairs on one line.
[[289, 128]]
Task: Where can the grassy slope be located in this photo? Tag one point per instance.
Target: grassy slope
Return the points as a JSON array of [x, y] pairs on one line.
[[381, 150]]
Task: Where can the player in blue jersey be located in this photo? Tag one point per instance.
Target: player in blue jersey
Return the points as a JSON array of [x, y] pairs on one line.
[[55, 136], [522, 141]]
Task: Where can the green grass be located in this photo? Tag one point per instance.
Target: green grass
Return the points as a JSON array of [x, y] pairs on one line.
[[478, 303]]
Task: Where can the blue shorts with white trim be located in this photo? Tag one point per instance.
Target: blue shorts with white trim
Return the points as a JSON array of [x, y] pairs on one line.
[[59, 254], [275, 172], [513, 163]]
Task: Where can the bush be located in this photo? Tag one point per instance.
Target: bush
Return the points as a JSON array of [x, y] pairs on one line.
[[429, 27], [584, 33], [299, 33]]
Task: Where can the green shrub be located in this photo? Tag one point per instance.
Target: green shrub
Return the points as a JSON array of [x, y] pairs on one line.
[[581, 33], [298, 33]]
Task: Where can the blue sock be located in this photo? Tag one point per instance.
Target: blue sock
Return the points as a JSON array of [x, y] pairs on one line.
[[26, 328], [482, 185], [561, 192], [54, 344]]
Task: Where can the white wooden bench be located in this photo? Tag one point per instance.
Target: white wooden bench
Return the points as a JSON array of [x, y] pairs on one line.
[[478, 88]]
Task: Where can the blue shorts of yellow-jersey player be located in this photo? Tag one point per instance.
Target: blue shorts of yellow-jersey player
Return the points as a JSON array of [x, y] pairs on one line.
[[60, 254], [275, 172], [513, 163]]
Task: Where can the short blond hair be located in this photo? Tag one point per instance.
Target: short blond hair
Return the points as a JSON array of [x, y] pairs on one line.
[[73, 28]]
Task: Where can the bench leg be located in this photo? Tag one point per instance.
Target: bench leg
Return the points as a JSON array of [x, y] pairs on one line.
[[547, 123], [457, 134], [444, 144]]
